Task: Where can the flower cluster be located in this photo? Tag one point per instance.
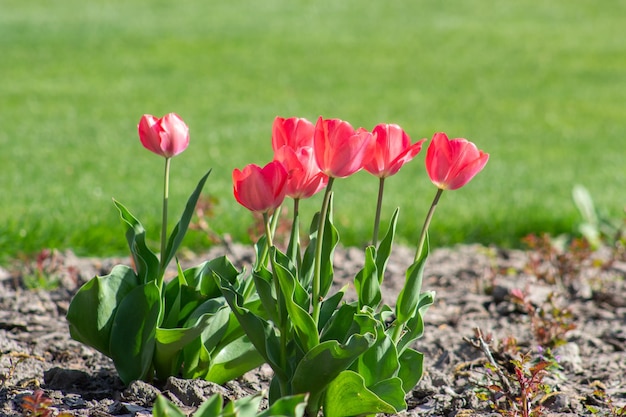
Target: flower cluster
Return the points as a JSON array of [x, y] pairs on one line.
[[216, 322]]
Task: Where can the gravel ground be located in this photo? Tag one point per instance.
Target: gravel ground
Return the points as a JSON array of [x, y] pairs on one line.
[[581, 299]]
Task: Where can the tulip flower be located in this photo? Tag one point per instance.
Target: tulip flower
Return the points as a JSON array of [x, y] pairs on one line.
[[305, 177], [453, 163], [260, 189], [450, 164], [340, 150], [294, 132], [167, 136], [392, 149]]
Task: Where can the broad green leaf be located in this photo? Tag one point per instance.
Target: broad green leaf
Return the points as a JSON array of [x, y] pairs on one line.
[[258, 330], [347, 396], [324, 363], [134, 331], [93, 308], [339, 325], [384, 248], [212, 407], [409, 295], [263, 283], [367, 283], [234, 360], [300, 295], [411, 368], [329, 306], [246, 406], [304, 325], [224, 269], [179, 231], [164, 408], [380, 362], [197, 360], [288, 406], [414, 328], [172, 299], [293, 248], [390, 391], [170, 343], [146, 262]]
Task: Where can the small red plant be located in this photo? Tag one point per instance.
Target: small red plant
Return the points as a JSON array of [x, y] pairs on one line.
[[549, 322]]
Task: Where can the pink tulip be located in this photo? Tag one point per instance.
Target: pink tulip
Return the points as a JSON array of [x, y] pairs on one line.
[[392, 149], [260, 189], [340, 151], [305, 177], [293, 132], [167, 136], [453, 163]]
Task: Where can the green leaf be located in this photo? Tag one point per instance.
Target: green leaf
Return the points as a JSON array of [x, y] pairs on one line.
[[234, 360], [409, 295], [146, 262], [288, 406], [212, 407], [304, 325], [367, 283], [329, 306], [414, 328], [380, 362], [347, 396], [331, 238], [170, 343], [324, 363], [134, 331], [384, 248], [411, 368], [179, 231], [164, 408], [246, 406], [264, 288], [258, 330], [339, 325], [93, 308]]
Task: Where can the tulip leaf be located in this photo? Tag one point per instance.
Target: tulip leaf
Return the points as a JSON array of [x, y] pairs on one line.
[[179, 231], [380, 362], [347, 396], [233, 360], [259, 331], [409, 295], [366, 282], [164, 408], [339, 325], [414, 328], [303, 323], [384, 248], [134, 332], [330, 240], [288, 406], [146, 262], [411, 368], [329, 306], [93, 308], [325, 362]]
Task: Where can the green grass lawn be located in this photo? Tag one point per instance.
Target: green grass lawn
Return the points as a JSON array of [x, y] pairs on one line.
[[540, 86]]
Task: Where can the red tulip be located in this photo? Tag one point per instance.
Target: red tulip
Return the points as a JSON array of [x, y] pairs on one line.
[[340, 151], [305, 177], [260, 189], [293, 132], [167, 136], [453, 163], [392, 149]]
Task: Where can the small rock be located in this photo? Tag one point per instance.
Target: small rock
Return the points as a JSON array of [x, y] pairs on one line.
[[569, 357], [140, 392]]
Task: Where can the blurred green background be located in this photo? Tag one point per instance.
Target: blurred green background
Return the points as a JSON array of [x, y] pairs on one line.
[[541, 86]]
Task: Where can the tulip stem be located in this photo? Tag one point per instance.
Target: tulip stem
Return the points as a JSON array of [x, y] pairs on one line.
[[381, 189], [318, 251], [268, 230], [166, 192], [429, 217]]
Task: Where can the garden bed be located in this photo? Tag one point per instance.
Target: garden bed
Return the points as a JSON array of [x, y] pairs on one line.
[[576, 299]]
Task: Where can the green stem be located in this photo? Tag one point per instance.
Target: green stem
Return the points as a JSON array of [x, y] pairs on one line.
[[379, 204], [318, 251], [429, 217], [294, 242], [166, 192], [268, 230]]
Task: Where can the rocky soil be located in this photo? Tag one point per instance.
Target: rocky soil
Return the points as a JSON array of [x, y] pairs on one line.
[[520, 300]]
